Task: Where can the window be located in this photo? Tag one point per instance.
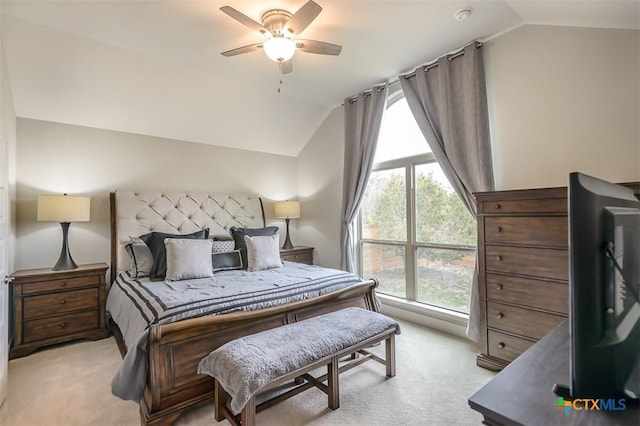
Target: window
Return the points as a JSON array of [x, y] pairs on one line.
[[416, 236]]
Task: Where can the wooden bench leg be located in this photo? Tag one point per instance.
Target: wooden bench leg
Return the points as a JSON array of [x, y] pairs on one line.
[[220, 399], [390, 355], [248, 415], [333, 383]]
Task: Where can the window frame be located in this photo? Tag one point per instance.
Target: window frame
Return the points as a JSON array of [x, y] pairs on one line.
[[411, 245]]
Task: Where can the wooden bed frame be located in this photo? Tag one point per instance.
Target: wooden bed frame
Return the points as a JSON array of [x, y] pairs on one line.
[[174, 350]]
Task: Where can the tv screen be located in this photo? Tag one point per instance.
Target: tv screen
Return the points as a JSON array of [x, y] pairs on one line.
[[604, 252]]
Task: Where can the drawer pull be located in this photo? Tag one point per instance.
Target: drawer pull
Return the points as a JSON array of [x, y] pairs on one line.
[[501, 345], [498, 258], [62, 302], [498, 206], [500, 315], [498, 229], [62, 284], [499, 287], [63, 324]]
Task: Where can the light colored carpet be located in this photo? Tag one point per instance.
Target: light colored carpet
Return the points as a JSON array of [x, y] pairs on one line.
[[436, 373]]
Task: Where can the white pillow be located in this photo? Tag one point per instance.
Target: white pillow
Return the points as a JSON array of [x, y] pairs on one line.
[[263, 252], [188, 258]]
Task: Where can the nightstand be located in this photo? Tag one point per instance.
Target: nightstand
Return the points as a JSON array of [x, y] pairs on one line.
[[299, 254], [52, 307]]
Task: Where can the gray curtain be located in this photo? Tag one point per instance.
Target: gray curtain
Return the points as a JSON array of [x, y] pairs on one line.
[[449, 103], [362, 119]]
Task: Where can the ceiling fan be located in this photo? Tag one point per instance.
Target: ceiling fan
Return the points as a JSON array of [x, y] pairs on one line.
[[281, 29]]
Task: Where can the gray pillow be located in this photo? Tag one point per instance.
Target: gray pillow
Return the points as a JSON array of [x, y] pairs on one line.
[[155, 242], [140, 258], [188, 258], [263, 252], [239, 233], [225, 261]]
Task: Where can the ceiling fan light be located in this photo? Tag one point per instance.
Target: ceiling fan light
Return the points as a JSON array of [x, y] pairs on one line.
[[280, 49]]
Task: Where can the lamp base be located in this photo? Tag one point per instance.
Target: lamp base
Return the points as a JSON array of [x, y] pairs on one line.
[[65, 261], [287, 241]]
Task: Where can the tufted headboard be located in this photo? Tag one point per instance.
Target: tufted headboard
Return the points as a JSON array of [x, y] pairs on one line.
[[135, 213]]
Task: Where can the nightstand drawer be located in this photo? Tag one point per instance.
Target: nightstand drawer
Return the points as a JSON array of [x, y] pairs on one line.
[[61, 325], [300, 258], [56, 303], [55, 285], [525, 322]]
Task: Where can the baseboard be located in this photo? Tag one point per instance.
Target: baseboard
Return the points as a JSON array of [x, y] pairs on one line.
[[451, 324]]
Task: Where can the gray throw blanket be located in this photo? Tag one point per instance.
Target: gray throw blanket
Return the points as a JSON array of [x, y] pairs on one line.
[[244, 365]]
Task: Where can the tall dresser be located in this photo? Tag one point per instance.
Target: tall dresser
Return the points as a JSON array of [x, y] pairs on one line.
[[523, 261]]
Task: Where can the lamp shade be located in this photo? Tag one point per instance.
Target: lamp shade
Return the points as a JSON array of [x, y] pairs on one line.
[[63, 208], [287, 209]]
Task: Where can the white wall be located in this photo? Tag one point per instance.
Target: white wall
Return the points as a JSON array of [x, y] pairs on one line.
[[58, 158], [563, 99]]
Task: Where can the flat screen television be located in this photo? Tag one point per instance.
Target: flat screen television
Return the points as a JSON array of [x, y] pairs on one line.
[[604, 281]]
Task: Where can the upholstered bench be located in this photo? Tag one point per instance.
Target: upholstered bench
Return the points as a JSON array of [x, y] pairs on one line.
[[251, 365]]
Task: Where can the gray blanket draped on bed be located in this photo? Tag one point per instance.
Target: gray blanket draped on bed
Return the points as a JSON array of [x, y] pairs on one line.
[[229, 291]]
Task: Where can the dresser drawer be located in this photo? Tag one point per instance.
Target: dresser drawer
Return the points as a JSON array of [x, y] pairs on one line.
[[61, 284], [506, 347], [526, 322], [548, 205], [57, 303], [60, 325], [300, 258], [536, 262], [540, 294], [529, 230]]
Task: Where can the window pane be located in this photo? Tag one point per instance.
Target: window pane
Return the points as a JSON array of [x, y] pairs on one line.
[[444, 277], [441, 217], [399, 134], [385, 263], [384, 209]]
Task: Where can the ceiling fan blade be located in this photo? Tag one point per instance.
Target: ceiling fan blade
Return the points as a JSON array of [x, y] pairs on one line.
[[303, 17], [286, 67], [243, 49], [245, 20], [319, 47]]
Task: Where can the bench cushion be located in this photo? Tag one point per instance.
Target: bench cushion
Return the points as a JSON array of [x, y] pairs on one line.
[[244, 365]]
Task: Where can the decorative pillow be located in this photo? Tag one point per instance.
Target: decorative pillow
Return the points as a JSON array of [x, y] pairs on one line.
[[188, 258], [221, 237], [238, 235], [223, 246], [155, 242], [141, 259], [226, 261], [263, 252]]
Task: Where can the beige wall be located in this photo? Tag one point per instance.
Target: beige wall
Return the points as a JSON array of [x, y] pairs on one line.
[[563, 99], [58, 158], [320, 167], [8, 135], [560, 99]]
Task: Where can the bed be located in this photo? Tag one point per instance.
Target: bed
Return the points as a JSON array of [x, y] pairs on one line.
[[162, 356]]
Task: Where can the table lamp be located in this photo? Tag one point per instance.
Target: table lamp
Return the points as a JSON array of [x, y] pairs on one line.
[[64, 209], [287, 210]]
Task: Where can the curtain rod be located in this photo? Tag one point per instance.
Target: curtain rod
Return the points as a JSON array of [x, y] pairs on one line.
[[425, 68], [434, 64]]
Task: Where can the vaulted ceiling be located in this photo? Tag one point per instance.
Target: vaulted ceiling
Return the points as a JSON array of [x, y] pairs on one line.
[[154, 67]]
